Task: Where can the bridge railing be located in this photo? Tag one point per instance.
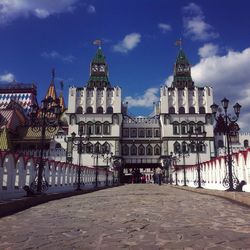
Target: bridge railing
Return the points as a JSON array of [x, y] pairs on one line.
[[18, 170], [214, 171]]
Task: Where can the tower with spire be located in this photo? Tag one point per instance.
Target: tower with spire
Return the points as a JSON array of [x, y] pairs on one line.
[[182, 72], [185, 106]]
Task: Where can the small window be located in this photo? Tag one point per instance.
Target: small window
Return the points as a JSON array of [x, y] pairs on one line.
[[125, 132], [98, 128], [141, 132], [89, 148], [192, 147], [157, 150], [246, 144], [149, 150], [171, 110], [202, 110], [181, 110], [157, 132], [81, 128], [191, 127], [177, 147], [141, 150], [183, 128], [191, 110], [176, 130], [133, 150], [100, 110], [106, 128], [89, 110], [149, 132], [125, 149], [90, 128], [79, 110], [133, 132], [110, 110], [105, 148]]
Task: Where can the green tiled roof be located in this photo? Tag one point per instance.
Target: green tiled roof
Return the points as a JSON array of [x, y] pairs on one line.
[[99, 57]]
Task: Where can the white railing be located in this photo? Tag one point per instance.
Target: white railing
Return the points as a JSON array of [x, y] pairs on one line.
[[18, 170], [214, 171]]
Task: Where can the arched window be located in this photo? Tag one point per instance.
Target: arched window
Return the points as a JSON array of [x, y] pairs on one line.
[[58, 146], [202, 110], [125, 149], [191, 128], [99, 110], [98, 128], [90, 128], [157, 150], [201, 147], [149, 150], [177, 147], [191, 110], [220, 143], [89, 110], [192, 147], [109, 110], [181, 110], [184, 147], [200, 127], [141, 150], [79, 110], [81, 128], [97, 148], [171, 110], [133, 150], [105, 148], [106, 128], [184, 128], [89, 148], [176, 129], [246, 144]]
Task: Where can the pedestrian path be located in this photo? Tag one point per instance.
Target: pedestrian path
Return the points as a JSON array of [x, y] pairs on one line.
[[136, 216]]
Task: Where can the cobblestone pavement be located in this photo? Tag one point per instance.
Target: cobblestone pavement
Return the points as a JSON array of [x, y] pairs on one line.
[[138, 216]]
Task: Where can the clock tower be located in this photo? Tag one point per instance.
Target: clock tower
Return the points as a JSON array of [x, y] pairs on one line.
[[182, 72], [98, 71]]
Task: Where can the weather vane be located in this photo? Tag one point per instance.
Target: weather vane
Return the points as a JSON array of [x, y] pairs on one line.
[[97, 42], [179, 43]]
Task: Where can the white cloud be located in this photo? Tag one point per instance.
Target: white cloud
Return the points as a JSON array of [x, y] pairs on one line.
[[55, 55], [8, 77], [13, 9], [208, 50], [91, 9], [129, 42], [194, 24], [145, 100], [164, 27]]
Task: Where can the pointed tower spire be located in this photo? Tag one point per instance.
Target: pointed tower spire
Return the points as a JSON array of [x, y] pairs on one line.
[[182, 71], [98, 71], [52, 90]]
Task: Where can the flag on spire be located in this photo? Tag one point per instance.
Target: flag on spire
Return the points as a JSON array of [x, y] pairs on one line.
[[97, 42], [178, 43]]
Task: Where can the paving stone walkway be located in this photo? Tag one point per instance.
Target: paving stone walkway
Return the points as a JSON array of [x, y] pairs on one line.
[[138, 216]]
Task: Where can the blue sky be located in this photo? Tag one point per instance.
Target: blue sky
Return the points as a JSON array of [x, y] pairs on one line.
[[138, 41]]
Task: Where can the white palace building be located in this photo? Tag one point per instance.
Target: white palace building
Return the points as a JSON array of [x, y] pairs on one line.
[[129, 147]]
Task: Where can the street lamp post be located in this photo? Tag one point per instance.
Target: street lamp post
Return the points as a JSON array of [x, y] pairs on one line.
[[44, 118], [95, 155], [107, 156], [228, 126], [198, 138], [183, 152], [80, 143]]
